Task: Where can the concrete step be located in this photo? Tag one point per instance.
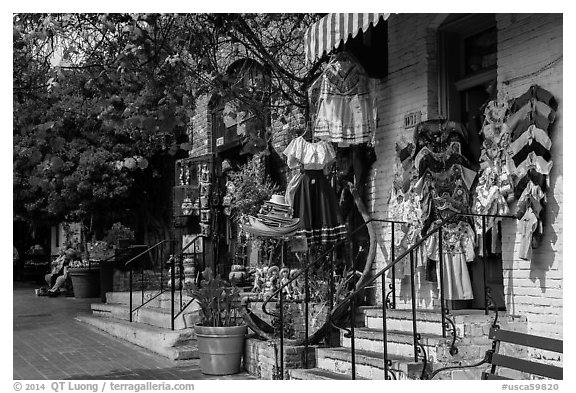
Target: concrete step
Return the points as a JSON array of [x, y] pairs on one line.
[[155, 316], [369, 365], [177, 344], [317, 374], [161, 300], [428, 321], [400, 343]]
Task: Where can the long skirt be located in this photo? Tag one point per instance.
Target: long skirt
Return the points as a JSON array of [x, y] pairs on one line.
[[316, 205]]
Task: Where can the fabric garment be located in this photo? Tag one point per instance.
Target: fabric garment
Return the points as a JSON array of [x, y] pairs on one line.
[[450, 177], [532, 133], [258, 228], [529, 202], [345, 112], [458, 241], [535, 147], [291, 188], [532, 161], [537, 92], [316, 205], [531, 176], [436, 163], [526, 227], [533, 112], [309, 155]]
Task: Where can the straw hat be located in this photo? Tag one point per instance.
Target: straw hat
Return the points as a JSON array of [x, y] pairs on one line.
[[278, 200]]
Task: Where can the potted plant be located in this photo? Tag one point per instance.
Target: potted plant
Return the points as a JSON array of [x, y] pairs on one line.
[[221, 333], [119, 235]]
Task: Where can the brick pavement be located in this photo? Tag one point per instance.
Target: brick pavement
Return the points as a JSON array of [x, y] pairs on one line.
[[49, 344]]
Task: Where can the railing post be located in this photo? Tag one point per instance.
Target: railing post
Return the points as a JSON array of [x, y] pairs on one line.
[[281, 300], [130, 286], [306, 300], [384, 328], [441, 279], [414, 331], [172, 289], [484, 257], [353, 320], [393, 254]]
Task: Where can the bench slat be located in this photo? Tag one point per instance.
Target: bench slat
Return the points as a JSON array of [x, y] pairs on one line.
[[527, 340], [493, 376], [544, 370]]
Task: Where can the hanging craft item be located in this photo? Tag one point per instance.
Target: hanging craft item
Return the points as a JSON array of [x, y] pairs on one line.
[[315, 202], [345, 111], [446, 170], [529, 161], [494, 188]]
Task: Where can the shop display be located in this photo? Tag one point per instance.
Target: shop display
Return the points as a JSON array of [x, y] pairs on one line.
[[529, 161], [494, 188], [315, 202], [345, 112]]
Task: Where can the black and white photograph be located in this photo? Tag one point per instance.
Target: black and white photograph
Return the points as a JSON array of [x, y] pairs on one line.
[[261, 196]]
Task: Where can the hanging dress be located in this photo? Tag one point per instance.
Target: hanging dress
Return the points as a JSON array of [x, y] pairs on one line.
[[345, 111], [315, 201]]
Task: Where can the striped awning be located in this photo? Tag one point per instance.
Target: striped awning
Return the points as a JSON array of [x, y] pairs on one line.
[[328, 32]]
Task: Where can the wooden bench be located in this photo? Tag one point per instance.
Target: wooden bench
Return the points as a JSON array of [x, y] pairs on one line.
[[499, 360]]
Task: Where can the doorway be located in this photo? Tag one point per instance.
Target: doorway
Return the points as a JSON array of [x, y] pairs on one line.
[[467, 80]]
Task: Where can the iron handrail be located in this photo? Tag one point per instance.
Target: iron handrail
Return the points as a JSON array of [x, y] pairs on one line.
[[418, 347], [173, 279], [129, 263]]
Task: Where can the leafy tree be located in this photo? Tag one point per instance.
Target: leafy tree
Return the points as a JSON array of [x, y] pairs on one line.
[[102, 103]]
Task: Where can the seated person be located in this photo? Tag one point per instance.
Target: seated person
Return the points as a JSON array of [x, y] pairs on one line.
[[58, 274]]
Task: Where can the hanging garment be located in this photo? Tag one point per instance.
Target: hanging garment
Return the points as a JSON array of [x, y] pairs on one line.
[[533, 112], [315, 202], [345, 111], [537, 92], [457, 251], [527, 225]]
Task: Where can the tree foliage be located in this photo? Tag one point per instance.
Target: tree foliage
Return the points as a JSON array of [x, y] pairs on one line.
[[102, 101]]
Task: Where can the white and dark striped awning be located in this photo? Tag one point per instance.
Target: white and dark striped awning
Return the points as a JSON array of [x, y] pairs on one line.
[[328, 32]]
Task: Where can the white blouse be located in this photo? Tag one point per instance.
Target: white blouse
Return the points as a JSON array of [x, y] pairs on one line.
[[312, 156]]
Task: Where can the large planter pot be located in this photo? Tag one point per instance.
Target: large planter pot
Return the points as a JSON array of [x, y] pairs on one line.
[[85, 281], [220, 348]]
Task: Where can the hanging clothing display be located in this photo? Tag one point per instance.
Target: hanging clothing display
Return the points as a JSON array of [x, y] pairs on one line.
[[314, 201], [404, 206], [494, 187], [345, 112], [529, 160], [446, 170]]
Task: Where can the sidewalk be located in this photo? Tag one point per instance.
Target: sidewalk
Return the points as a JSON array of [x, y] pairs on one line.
[[49, 344]]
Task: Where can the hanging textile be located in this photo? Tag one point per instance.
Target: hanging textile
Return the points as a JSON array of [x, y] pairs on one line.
[[315, 202], [345, 111], [494, 188], [528, 159], [446, 170]]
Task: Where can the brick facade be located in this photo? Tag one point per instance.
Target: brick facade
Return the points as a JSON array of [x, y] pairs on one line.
[[527, 44]]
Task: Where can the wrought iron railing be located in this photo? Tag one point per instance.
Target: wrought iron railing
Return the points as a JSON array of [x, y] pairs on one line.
[[157, 268], [388, 300], [178, 260]]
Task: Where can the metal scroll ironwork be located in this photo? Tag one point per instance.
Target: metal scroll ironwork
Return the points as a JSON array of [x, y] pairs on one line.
[[492, 304], [450, 325], [422, 354], [389, 303]]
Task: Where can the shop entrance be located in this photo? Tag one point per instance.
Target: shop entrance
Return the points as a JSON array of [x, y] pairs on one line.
[[467, 66]]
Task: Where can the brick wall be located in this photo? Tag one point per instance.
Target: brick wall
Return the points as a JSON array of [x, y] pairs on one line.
[[409, 87], [526, 45]]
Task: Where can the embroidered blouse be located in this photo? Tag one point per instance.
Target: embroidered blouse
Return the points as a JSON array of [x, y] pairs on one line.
[[311, 155]]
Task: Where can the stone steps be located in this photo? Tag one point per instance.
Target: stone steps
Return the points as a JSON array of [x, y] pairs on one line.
[[155, 316], [317, 374], [173, 344], [369, 365], [400, 343]]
